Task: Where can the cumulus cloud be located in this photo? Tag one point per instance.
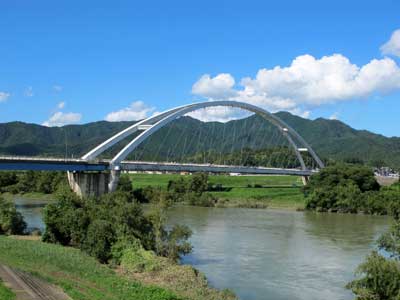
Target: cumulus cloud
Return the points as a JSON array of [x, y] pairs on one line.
[[4, 96], [29, 92], [136, 111], [306, 83], [220, 86], [218, 113], [60, 119], [61, 105], [392, 47]]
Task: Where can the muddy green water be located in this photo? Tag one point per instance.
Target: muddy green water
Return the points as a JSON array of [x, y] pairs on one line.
[[270, 254]]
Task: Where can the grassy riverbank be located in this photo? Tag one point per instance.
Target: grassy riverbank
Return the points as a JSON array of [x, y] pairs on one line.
[[83, 278], [240, 191], [6, 293]]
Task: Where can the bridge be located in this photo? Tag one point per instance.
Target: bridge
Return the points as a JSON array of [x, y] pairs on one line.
[[90, 175]]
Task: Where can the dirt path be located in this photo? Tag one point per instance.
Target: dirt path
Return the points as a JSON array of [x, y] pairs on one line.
[[28, 287]]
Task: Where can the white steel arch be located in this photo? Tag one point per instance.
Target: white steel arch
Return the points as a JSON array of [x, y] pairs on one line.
[[154, 123]]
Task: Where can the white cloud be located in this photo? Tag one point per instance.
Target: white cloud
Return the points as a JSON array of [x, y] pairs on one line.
[[57, 88], [4, 96], [215, 88], [306, 83], [392, 47], [61, 105], [218, 113], [60, 119], [136, 111], [334, 116], [29, 92]]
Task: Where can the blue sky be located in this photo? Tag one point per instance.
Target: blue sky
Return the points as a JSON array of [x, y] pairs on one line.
[[82, 61]]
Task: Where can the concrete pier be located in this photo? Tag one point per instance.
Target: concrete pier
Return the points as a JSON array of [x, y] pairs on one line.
[[86, 184]]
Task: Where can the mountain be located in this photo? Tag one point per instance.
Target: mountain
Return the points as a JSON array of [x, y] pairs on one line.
[[185, 137]]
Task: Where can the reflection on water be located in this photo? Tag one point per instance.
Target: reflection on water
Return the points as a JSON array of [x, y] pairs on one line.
[[269, 254], [31, 209]]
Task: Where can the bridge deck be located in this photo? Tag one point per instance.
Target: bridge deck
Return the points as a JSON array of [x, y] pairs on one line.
[[70, 164]]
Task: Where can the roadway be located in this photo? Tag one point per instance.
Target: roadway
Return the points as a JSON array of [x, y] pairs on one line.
[[78, 165]]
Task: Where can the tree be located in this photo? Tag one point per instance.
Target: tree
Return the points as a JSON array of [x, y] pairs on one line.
[[99, 239], [198, 183], [125, 184], [379, 276], [11, 221]]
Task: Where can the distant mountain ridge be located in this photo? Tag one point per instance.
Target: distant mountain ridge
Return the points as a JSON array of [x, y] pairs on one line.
[[331, 139]]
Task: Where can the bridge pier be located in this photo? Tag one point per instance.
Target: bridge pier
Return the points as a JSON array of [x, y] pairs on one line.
[[86, 184], [305, 179], [114, 179]]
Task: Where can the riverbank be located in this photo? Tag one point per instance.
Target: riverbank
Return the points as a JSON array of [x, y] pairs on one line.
[[30, 196], [83, 278], [275, 192]]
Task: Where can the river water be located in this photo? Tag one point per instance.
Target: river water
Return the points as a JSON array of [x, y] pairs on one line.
[[270, 254]]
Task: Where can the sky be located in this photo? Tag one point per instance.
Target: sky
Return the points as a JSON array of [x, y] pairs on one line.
[[67, 62]]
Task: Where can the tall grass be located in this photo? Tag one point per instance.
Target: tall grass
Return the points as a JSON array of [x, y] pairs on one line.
[[80, 275]]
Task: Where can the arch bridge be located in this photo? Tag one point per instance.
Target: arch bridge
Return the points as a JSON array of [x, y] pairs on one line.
[[150, 125]]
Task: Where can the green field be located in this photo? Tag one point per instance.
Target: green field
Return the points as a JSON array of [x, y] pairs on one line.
[[6, 293], [240, 191], [80, 275]]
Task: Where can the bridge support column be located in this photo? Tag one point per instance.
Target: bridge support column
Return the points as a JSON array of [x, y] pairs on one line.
[[305, 179], [114, 179], [86, 184]]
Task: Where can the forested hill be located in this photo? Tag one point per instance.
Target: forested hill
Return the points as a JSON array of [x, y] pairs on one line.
[[185, 137]]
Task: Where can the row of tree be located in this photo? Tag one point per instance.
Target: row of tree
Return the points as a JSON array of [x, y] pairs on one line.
[[192, 190], [350, 189], [31, 181]]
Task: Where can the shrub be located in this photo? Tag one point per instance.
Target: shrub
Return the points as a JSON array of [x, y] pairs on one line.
[[99, 239], [380, 279], [11, 221]]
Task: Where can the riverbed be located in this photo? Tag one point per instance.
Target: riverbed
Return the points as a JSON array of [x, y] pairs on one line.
[[270, 254]]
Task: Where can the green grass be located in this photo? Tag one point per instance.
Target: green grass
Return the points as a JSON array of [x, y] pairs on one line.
[[5, 293], [80, 275], [239, 191], [143, 180]]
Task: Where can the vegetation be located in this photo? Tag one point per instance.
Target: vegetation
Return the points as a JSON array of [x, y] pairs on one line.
[[96, 225], [11, 221], [329, 138], [31, 182], [350, 189], [224, 190], [379, 276], [6, 293], [80, 275]]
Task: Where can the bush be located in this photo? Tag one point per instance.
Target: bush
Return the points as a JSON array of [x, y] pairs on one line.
[[204, 200], [11, 221], [99, 239], [380, 279]]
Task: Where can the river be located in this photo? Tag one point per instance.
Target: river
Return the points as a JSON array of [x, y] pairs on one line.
[[270, 254]]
